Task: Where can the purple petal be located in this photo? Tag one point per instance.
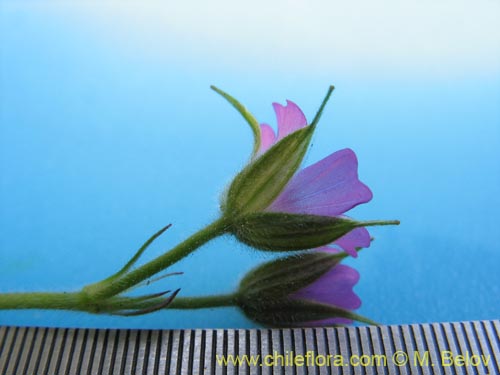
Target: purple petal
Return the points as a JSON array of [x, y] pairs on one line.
[[333, 288], [267, 138], [290, 118], [329, 187], [358, 237]]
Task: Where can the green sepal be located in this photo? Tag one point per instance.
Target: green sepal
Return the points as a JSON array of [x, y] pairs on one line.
[[261, 181], [250, 119], [290, 313], [275, 280], [276, 231]]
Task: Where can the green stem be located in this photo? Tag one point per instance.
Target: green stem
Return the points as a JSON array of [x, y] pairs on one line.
[[79, 302], [181, 303], [54, 301], [108, 288]]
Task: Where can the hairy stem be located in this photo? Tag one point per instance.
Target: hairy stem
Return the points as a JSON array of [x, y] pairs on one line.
[[108, 288]]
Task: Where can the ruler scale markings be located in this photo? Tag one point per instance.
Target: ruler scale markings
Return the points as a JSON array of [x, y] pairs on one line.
[[345, 347], [352, 348], [217, 349], [7, 333], [35, 365], [451, 337], [458, 338], [243, 350], [3, 334], [421, 342], [394, 345], [123, 338], [183, 364], [411, 348], [443, 346], [203, 346], [378, 346], [374, 340], [432, 348], [321, 348], [357, 347], [139, 351], [152, 367], [281, 342], [473, 344], [228, 343], [60, 349], [17, 351], [77, 363], [287, 345], [389, 350], [180, 351], [366, 349], [87, 348], [339, 349], [158, 357], [69, 359], [145, 353], [400, 345], [327, 350], [9, 345], [258, 345], [308, 341], [26, 352], [47, 354], [236, 349], [169, 349], [194, 352], [187, 362], [108, 359], [275, 347], [485, 349], [470, 347], [136, 365], [126, 363], [300, 348], [266, 348], [496, 326], [488, 342], [100, 351], [87, 351], [211, 352], [464, 345]]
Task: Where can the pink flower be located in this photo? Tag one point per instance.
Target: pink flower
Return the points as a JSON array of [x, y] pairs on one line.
[[329, 187], [334, 288]]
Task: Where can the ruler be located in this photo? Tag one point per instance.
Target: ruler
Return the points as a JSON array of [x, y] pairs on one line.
[[438, 348]]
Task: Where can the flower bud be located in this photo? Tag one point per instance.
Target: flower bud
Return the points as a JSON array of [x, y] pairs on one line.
[[278, 231], [261, 181], [278, 278], [278, 293]]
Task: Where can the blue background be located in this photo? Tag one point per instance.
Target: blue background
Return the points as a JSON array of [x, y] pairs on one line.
[[102, 142]]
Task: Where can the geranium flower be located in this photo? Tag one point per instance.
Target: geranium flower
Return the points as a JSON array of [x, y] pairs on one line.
[[311, 289], [329, 187], [273, 205]]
